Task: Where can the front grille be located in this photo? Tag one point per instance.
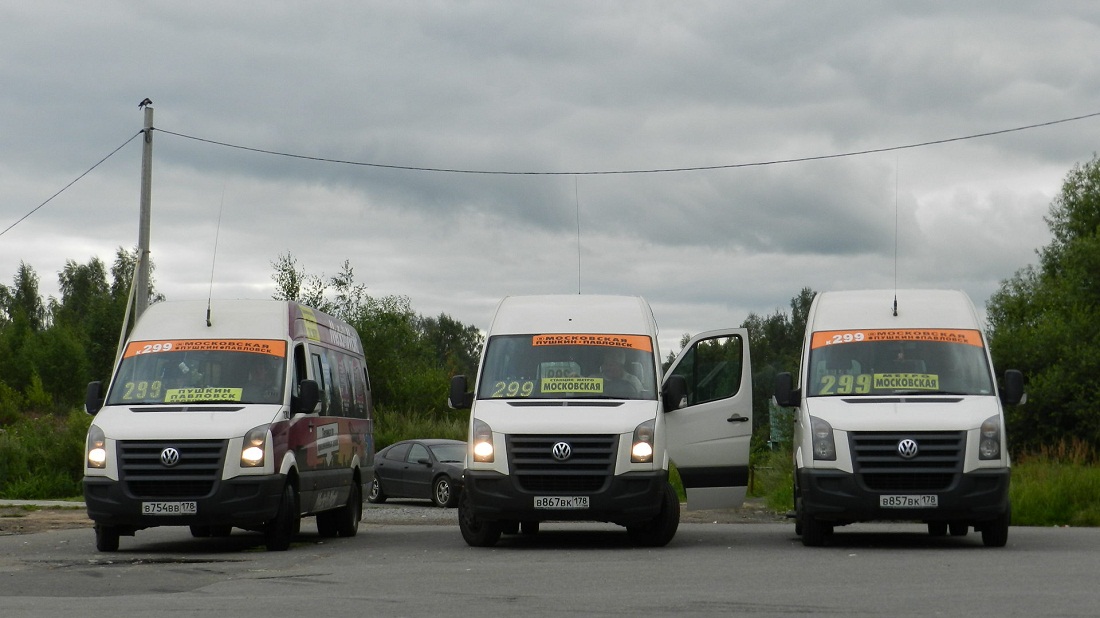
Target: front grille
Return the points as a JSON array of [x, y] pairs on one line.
[[936, 467], [195, 476], [588, 469]]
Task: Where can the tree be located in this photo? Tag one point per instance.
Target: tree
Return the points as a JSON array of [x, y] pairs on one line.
[[1045, 321]]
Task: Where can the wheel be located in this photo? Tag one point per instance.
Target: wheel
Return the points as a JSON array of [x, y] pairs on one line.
[[476, 532], [958, 529], [995, 533], [937, 528], [375, 495], [443, 492], [658, 531], [348, 516], [814, 531], [797, 510], [528, 528], [280, 531], [106, 538]]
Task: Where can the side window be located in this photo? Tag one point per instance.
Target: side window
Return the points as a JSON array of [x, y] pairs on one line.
[[418, 452], [398, 452], [320, 376], [712, 369]]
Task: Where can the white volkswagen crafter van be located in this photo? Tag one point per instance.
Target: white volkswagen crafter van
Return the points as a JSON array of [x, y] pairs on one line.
[[899, 416], [245, 414], [573, 419]]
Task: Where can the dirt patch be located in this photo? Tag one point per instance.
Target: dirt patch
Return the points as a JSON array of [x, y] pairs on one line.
[[28, 520]]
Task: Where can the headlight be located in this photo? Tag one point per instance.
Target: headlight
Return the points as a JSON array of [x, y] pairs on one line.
[[821, 435], [989, 440], [252, 451], [641, 448], [483, 442], [96, 448]]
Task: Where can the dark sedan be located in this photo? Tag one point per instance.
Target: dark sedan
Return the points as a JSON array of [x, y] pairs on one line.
[[429, 469]]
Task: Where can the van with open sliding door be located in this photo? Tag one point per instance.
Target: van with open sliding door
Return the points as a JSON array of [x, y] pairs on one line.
[[245, 413], [573, 419], [899, 416]]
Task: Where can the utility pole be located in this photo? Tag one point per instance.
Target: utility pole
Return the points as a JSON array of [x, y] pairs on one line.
[[141, 298]]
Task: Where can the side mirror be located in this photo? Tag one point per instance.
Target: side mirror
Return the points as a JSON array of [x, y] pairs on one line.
[[309, 395], [93, 398], [1013, 391], [786, 395], [459, 398], [673, 392]]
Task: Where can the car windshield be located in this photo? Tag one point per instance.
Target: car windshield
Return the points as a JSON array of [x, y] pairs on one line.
[[568, 366], [200, 371], [895, 362], [449, 452]]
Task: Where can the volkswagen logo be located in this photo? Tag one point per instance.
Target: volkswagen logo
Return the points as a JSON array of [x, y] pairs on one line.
[[562, 451], [907, 448], [169, 457]]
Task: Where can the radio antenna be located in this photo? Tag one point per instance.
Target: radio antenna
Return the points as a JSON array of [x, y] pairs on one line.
[[897, 172], [214, 259], [577, 199]]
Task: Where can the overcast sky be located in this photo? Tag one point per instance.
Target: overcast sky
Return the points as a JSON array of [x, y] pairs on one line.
[[552, 93]]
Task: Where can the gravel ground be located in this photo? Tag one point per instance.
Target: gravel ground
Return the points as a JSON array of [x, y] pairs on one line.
[[17, 517]]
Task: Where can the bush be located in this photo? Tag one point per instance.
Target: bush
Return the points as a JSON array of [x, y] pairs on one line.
[[42, 457]]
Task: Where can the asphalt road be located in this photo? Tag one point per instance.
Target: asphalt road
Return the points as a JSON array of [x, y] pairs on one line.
[[398, 569]]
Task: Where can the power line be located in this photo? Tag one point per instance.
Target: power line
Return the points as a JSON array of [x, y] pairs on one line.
[[700, 168], [74, 181]]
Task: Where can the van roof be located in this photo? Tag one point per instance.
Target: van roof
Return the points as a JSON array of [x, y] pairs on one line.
[[573, 313], [842, 310], [241, 319]]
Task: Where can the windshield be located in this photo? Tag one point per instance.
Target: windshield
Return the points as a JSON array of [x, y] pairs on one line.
[[200, 371], [894, 362], [568, 366]]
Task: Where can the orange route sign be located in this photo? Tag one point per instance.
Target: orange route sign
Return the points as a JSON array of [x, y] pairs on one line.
[[945, 335], [273, 347], [630, 342]]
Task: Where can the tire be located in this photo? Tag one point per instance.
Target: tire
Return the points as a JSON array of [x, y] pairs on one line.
[[347, 517], [280, 531], [797, 510], [476, 532], [937, 528], [443, 492], [106, 538], [814, 531], [658, 531], [995, 533], [375, 495], [958, 529]]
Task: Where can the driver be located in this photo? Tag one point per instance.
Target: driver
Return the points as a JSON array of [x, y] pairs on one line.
[[612, 369]]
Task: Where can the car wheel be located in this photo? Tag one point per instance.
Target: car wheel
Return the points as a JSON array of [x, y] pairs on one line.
[[814, 531], [375, 495], [106, 538], [280, 531], [658, 531], [443, 492], [476, 532]]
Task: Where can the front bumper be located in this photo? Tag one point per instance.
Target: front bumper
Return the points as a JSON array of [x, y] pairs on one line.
[[838, 497]]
